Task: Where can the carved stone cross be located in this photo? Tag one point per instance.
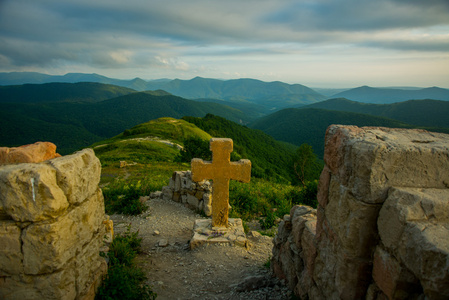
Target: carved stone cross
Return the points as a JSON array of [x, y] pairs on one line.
[[221, 170]]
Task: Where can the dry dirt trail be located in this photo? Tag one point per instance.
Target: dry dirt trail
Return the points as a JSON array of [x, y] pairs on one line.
[[208, 272]]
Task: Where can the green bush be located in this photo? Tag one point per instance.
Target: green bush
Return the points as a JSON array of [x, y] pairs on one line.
[[307, 195], [122, 197], [124, 279], [268, 221]]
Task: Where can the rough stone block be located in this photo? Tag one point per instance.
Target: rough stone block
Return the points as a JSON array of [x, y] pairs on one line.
[[55, 286], [299, 218], [370, 160], [11, 249], [33, 153], [413, 225], [167, 193], [308, 244], [352, 277], [424, 250], [30, 192], [192, 201], [78, 174], [392, 278], [354, 222], [47, 247], [178, 175], [89, 265], [323, 187], [324, 271]]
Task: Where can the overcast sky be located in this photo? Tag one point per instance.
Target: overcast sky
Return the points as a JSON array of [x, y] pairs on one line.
[[321, 43]]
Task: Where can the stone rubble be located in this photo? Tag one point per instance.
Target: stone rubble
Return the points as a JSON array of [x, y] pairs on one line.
[[182, 189]]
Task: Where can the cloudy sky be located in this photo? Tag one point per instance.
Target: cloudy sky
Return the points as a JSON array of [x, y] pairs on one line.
[[320, 43]]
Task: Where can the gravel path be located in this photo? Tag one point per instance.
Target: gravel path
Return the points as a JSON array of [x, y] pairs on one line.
[[207, 272]]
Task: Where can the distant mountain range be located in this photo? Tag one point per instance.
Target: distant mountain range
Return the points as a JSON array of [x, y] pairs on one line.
[[271, 96], [430, 113], [368, 94]]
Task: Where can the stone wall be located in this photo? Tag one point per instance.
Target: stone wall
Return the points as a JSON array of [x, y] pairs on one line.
[[381, 229], [196, 195], [51, 228]]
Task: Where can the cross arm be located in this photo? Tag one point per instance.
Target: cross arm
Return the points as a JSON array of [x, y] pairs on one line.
[[201, 170], [241, 170]]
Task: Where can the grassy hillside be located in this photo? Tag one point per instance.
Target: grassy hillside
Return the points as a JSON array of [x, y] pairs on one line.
[[153, 141], [430, 113], [270, 158], [61, 92], [298, 126], [74, 125], [150, 151]]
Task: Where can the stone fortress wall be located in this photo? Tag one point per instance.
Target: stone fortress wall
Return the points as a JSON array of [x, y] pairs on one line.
[[51, 227], [381, 229]]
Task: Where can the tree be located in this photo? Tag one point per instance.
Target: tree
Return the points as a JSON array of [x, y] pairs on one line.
[[306, 165], [194, 148]]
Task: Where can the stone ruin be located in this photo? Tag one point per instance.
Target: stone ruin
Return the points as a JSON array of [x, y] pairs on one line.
[[181, 188], [52, 227], [381, 229]]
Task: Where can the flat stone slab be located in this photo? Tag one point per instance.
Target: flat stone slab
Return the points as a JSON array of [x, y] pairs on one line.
[[204, 233]]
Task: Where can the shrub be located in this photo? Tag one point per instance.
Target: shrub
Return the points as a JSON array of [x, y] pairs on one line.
[[268, 221], [124, 279]]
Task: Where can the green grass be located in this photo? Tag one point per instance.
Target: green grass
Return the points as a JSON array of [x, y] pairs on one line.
[[135, 151], [261, 199]]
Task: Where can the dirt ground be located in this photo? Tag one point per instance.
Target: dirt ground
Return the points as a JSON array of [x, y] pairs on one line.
[[207, 272]]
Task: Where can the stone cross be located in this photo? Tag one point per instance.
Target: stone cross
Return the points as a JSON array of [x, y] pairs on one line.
[[221, 170]]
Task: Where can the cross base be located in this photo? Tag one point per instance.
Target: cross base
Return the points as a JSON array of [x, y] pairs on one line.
[[204, 234]]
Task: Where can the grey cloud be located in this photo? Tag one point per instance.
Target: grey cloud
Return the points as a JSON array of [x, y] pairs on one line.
[[358, 15], [114, 33]]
